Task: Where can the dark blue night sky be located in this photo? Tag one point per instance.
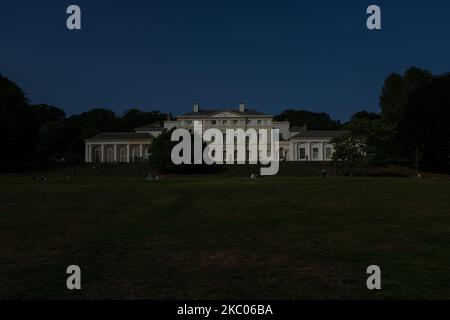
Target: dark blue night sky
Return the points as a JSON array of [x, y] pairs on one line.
[[273, 55]]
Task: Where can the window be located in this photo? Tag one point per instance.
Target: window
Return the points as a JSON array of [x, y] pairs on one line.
[[259, 122], [235, 122], [214, 122], [315, 154], [302, 154], [281, 154], [110, 154], [224, 122], [328, 153], [97, 154], [189, 123], [135, 153], [123, 154], [249, 121]]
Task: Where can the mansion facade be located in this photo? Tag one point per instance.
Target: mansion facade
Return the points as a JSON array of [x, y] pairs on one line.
[[296, 143]]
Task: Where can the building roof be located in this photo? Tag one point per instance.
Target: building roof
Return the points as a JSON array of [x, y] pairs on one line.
[[209, 113], [150, 127], [319, 134], [121, 136]]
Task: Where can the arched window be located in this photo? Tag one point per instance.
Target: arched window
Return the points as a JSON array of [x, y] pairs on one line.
[[97, 154], [123, 154], [282, 154], [135, 154], [109, 154]]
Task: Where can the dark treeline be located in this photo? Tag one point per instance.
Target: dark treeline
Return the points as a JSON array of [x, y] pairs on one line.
[[313, 120], [41, 135], [411, 127]]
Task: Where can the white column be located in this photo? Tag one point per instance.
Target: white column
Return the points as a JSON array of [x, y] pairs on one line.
[[128, 152], [323, 150], [102, 150], [294, 151], [115, 153], [86, 153], [90, 153], [140, 151], [309, 152]]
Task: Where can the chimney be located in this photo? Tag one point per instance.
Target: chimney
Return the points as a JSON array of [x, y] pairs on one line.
[[195, 107], [241, 107]]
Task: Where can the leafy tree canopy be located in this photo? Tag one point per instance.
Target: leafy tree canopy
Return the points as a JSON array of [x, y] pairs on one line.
[[134, 118], [313, 120], [16, 124]]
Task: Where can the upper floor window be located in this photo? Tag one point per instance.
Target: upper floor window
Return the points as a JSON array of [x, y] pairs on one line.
[[224, 122], [260, 122], [214, 122]]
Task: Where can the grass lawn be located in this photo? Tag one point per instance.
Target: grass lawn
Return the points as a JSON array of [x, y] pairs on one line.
[[223, 237]]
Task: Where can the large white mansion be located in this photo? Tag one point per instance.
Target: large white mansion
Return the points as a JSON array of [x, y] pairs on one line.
[[296, 143]]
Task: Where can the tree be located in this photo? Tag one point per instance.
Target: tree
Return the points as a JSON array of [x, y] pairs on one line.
[[390, 98], [426, 123], [87, 125], [313, 120], [417, 106], [16, 124], [398, 91], [52, 140], [397, 101], [377, 135], [51, 131], [44, 113], [365, 116], [134, 118], [161, 161], [351, 155]]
